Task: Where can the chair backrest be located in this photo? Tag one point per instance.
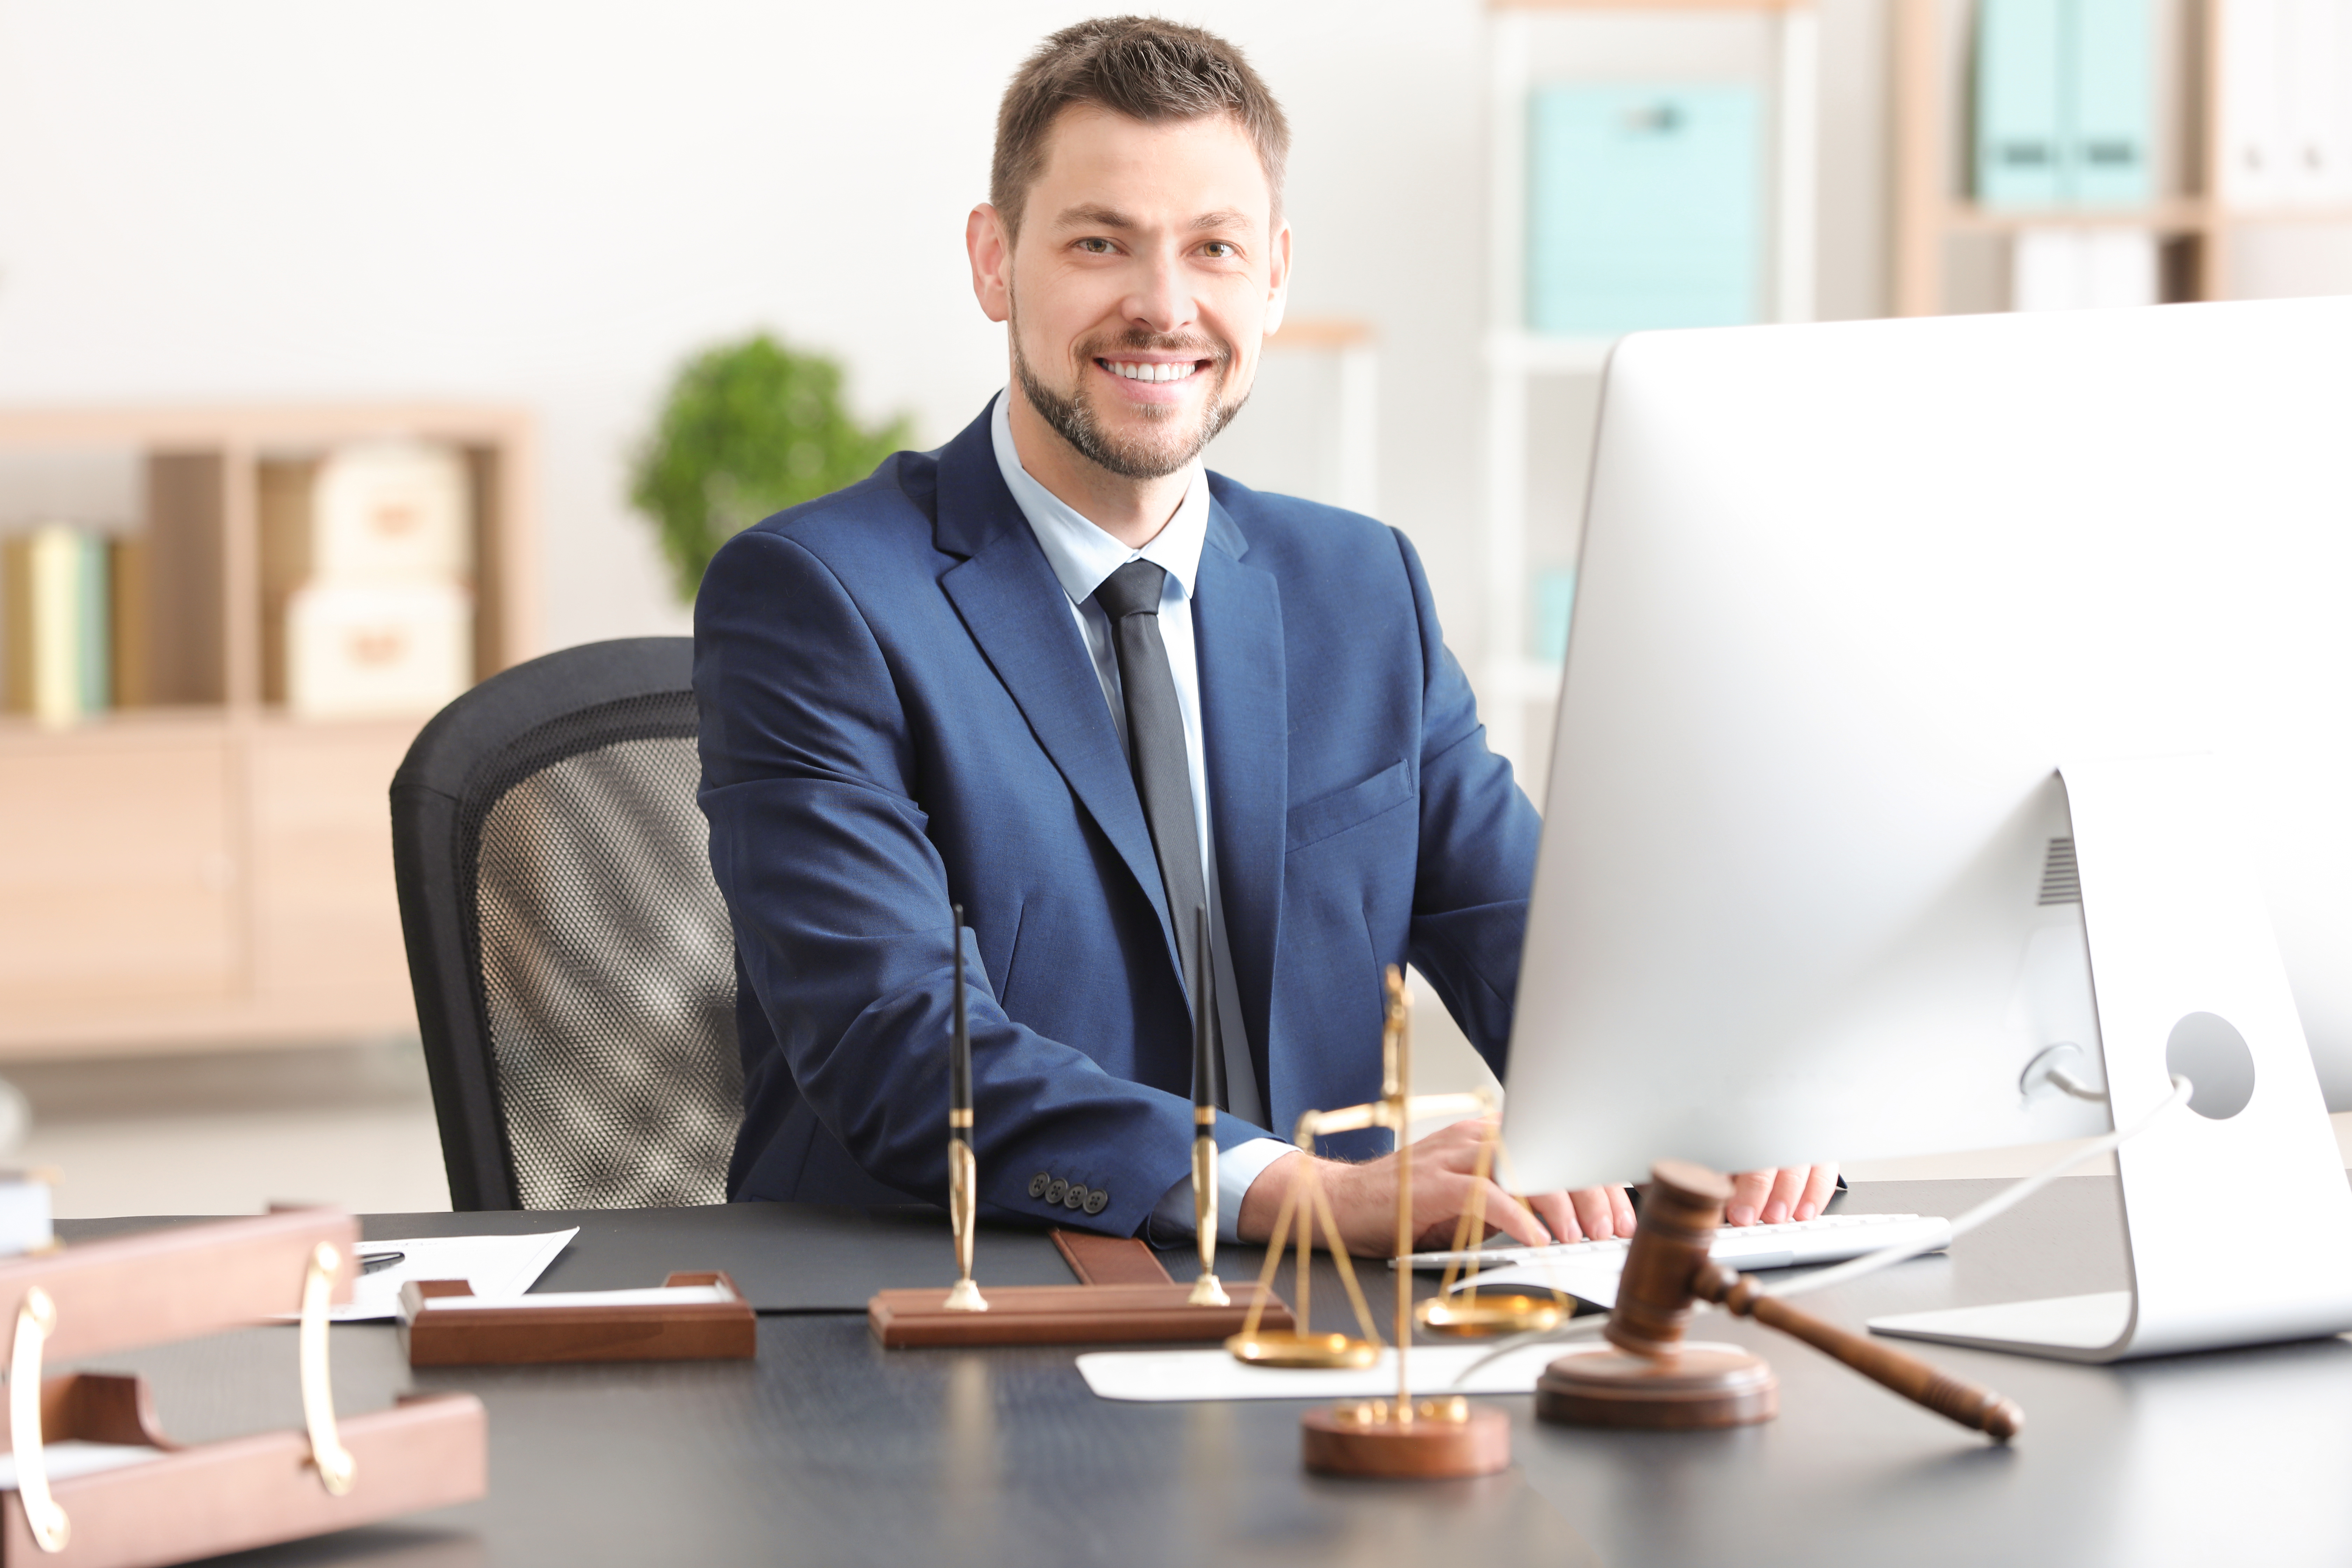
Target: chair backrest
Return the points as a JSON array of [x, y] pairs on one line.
[[574, 965]]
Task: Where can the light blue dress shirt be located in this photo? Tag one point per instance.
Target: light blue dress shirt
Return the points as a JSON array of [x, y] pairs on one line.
[[1082, 556]]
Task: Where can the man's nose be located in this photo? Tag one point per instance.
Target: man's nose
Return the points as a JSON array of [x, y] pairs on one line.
[[1160, 302]]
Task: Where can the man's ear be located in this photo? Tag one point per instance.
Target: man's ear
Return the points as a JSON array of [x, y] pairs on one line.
[[1278, 280], [991, 249]]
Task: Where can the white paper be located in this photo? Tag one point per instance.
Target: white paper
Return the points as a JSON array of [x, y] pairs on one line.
[[1166, 1375], [493, 1266], [74, 1457], [652, 1296]]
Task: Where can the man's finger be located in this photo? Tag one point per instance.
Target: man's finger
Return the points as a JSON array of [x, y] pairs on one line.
[[1507, 1214], [1788, 1186], [1440, 1205], [1559, 1214], [1594, 1211], [1748, 1191], [1620, 1209], [1819, 1187]]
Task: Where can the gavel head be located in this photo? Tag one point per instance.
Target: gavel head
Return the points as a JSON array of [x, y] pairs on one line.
[[1682, 1208]]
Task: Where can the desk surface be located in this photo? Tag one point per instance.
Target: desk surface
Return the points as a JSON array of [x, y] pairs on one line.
[[829, 1450]]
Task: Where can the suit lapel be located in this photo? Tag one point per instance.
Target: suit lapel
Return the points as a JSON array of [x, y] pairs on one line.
[[1016, 611], [1245, 729]]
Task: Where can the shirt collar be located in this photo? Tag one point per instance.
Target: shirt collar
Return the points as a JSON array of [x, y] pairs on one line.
[[1082, 555]]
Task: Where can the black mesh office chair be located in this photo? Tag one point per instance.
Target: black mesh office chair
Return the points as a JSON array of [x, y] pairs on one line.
[[573, 966]]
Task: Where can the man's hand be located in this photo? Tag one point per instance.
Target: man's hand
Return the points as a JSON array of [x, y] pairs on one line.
[[1363, 1199], [1774, 1197]]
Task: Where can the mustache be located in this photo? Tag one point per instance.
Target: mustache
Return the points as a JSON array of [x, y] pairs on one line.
[[1141, 342]]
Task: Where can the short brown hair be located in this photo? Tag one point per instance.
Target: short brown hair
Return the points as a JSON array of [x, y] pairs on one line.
[[1140, 66]]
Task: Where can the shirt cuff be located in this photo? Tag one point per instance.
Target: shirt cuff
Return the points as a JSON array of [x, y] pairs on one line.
[[1237, 1167]]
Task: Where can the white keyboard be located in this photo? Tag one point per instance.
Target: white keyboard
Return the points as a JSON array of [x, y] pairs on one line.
[[1584, 1267]]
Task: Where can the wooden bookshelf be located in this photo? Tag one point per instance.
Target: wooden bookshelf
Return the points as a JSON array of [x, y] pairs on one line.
[[1930, 64], [202, 867]]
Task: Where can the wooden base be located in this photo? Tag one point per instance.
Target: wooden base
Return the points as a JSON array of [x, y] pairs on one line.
[[1343, 1442], [1067, 1315], [1705, 1385], [524, 1336]]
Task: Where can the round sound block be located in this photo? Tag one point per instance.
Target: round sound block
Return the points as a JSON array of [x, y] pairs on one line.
[[1447, 1439], [1704, 1385]]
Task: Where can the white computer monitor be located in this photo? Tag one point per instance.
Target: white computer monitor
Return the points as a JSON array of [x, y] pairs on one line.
[[1848, 593]]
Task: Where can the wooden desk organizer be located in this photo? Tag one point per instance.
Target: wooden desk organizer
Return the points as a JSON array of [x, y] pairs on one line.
[[513, 1336], [1126, 1296], [428, 1451]]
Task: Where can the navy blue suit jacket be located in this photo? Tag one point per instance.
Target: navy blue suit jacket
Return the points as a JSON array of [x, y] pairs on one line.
[[898, 713]]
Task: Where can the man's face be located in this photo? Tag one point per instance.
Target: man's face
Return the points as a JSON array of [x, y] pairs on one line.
[[1147, 271]]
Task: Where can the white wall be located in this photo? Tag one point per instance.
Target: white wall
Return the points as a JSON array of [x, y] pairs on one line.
[[551, 204]]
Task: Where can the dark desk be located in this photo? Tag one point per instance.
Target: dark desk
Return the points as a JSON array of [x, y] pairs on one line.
[[827, 1450]]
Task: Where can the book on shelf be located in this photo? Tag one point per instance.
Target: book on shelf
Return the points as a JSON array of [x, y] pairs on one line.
[[56, 604], [2286, 114], [2065, 102], [1644, 206]]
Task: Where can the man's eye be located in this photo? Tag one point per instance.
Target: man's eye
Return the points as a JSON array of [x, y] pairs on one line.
[[1096, 246], [1219, 250]]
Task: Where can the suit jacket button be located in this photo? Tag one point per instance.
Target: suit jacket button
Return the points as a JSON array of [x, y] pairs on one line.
[[1075, 1198], [1097, 1201], [1054, 1192], [1038, 1184]]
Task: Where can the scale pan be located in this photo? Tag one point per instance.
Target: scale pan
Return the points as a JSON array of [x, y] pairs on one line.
[[1490, 1315], [1312, 1350]]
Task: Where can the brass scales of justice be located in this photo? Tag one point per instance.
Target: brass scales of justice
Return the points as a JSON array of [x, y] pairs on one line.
[[1404, 1437]]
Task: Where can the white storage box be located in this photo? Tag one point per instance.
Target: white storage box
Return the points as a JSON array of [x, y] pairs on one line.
[[392, 511], [394, 648]]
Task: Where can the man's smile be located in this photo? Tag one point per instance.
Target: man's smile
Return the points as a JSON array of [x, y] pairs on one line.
[[1153, 370]]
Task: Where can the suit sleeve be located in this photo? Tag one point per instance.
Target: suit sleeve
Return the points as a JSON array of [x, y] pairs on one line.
[[840, 906], [1477, 854]]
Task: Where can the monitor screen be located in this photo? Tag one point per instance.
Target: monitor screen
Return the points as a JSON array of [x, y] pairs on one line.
[[1849, 595]]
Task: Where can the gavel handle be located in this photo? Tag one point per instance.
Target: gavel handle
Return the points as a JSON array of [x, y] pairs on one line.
[[1979, 1408]]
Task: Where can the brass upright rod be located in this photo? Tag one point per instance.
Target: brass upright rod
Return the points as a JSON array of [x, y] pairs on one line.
[[1206, 1290], [1396, 1090], [963, 1170]]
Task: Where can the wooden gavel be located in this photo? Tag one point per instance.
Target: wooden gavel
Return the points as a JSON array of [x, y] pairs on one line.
[[1667, 1269]]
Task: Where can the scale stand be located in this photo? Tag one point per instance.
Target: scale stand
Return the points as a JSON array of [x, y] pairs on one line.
[[2237, 1219]]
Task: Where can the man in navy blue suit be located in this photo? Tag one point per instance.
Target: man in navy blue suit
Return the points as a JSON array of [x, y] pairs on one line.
[[1059, 674]]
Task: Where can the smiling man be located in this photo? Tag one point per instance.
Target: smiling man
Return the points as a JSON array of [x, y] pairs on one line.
[[1059, 674]]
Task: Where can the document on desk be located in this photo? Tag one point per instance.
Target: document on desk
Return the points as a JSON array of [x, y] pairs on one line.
[[494, 1266], [1172, 1375]]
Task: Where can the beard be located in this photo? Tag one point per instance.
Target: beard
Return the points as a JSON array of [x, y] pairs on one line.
[[1152, 455]]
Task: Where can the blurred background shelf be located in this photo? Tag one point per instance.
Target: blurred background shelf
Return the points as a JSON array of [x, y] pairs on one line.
[[2206, 102], [199, 866], [1640, 134]]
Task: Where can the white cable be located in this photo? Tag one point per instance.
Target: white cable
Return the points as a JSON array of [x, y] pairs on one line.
[[1999, 1203], [1575, 1328]]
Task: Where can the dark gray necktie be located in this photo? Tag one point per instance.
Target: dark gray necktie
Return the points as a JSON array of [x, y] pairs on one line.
[[1155, 738]]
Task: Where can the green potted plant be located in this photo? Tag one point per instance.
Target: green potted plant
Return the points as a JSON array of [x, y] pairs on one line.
[[749, 430]]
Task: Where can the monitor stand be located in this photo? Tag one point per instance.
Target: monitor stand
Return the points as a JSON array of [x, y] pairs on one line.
[[2237, 1214]]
